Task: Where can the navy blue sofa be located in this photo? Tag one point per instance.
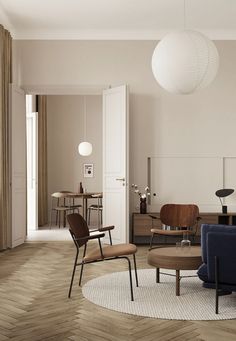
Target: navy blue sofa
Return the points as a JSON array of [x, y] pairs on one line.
[[218, 270]]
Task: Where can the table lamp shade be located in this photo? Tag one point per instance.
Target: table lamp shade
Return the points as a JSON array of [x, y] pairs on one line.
[[222, 193]]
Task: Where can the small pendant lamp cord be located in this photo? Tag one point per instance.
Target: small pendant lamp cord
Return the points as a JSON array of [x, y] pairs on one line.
[[85, 123], [184, 14]]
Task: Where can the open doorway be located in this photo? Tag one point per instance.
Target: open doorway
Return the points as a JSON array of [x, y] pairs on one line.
[[113, 143], [65, 168]]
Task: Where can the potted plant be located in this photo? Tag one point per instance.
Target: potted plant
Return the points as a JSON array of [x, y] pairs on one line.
[[142, 197]]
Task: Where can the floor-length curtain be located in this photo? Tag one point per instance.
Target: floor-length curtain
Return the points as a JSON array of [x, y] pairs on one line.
[[42, 161], [5, 80]]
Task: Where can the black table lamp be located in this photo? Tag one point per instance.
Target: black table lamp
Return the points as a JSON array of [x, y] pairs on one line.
[[222, 193]]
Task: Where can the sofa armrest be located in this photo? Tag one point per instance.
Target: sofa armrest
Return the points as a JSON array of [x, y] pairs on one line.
[[222, 245], [206, 228]]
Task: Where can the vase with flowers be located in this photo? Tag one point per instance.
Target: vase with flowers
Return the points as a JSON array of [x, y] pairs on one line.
[[142, 197]]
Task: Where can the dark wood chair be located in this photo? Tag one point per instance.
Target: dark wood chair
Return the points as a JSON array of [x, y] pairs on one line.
[[97, 208], [177, 220], [81, 235]]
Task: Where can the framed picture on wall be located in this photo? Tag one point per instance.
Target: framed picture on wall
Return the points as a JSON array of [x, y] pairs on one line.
[[88, 170]]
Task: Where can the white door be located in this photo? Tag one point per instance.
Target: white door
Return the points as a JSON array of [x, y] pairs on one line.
[[115, 162], [18, 165], [32, 167]]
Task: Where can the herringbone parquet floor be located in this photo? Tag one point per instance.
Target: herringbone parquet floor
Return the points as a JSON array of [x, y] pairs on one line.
[[34, 281]]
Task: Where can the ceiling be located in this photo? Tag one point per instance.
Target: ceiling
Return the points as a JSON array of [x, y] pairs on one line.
[[116, 19]]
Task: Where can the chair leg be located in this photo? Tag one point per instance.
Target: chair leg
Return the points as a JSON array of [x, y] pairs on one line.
[[216, 283], [81, 273], [51, 219], [109, 232], [57, 217], [64, 219], [89, 216], [135, 270], [73, 273], [151, 241], [82, 265], [157, 275], [130, 279]]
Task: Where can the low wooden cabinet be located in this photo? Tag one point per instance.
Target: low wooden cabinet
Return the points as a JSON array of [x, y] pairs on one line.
[[142, 223]]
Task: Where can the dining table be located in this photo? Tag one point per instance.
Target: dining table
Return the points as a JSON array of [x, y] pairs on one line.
[[84, 196]]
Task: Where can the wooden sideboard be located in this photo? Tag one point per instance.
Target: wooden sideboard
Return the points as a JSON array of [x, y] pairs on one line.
[[142, 224]]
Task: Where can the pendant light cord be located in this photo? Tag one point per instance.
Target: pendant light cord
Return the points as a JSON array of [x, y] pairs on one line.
[[85, 112], [184, 14]]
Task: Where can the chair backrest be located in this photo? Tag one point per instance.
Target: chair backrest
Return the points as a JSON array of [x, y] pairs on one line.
[[179, 215], [98, 196], [59, 195], [78, 228]]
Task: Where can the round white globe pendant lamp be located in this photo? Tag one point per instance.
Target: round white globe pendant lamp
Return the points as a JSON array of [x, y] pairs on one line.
[[185, 61], [85, 148]]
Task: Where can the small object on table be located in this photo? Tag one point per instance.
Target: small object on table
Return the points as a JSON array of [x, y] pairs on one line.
[[143, 197], [185, 242], [81, 190], [143, 205]]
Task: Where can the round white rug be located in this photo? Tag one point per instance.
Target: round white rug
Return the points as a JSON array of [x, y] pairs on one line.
[[158, 300]]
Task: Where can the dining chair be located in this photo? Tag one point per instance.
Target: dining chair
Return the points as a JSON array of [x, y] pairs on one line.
[[81, 236], [70, 199], [62, 202], [181, 219], [97, 208]]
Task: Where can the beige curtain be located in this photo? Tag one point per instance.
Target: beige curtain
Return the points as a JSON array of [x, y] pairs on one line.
[[42, 161], [5, 79]]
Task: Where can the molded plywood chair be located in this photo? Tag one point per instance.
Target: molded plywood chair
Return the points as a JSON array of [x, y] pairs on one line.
[[181, 218], [80, 235]]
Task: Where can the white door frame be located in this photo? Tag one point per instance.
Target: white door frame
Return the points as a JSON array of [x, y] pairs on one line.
[[65, 89], [32, 172], [18, 191]]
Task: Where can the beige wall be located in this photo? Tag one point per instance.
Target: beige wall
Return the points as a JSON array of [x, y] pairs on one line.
[[202, 124], [65, 132]]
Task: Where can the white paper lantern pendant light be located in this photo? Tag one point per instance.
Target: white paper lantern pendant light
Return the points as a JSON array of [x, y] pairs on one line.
[[85, 148], [185, 61]]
